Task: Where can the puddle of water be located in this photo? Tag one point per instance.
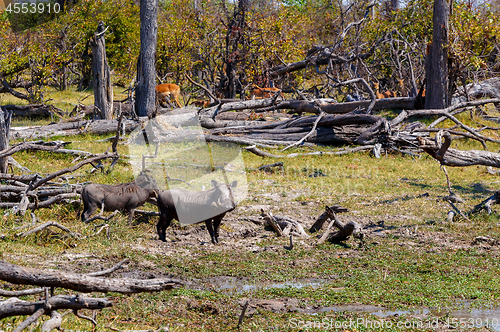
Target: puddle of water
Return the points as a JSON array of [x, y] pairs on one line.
[[238, 285], [375, 310], [467, 316]]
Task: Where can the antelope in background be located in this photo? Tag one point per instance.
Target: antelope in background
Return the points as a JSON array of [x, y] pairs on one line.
[[386, 94], [260, 93], [168, 90]]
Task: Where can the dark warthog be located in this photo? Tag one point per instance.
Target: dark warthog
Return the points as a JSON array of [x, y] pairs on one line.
[[194, 207], [123, 197]]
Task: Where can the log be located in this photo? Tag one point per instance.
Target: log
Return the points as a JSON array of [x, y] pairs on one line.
[[22, 178], [299, 106], [24, 292], [32, 146], [272, 222], [53, 323], [487, 88], [344, 230], [34, 110], [458, 158], [261, 153], [42, 204], [293, 225], [82, 283], [314, 106], [282, 225], [318, 224], [16, 307], [361, 129], [46, 225], [97, 127], [74, 168], [486, 204]]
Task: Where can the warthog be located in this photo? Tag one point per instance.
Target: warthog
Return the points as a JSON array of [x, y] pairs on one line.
[[194, 207], [123, 197]]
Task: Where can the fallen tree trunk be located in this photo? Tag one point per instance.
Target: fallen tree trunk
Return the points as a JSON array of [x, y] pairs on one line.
[[33, 146], [344, 230], [283, 226], [338, 129], [16, 307], [487, 88], [457, 158], [486, 204], [301, 106], [41, 204], [97, 127], [329, 106], [82, 283], [34, 110]]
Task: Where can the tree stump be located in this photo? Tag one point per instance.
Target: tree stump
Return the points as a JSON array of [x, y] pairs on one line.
[[5, 117], [101, 78]]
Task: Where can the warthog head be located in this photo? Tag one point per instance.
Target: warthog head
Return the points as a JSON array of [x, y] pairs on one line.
[[147, 182], [224, 195]]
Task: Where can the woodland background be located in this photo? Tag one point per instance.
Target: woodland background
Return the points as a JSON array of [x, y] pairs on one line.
[[37, 51]]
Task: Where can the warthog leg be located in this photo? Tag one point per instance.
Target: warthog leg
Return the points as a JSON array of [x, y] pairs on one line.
[[210, 228], [217, 221], [162, 225], [130, 216], [89, 209]]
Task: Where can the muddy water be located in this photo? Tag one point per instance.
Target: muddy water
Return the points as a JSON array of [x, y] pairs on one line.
[[467, 316], [244, 285]]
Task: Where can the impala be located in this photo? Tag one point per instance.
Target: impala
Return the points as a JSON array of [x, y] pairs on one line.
[[168, 90], [260, 93], [386, 94]]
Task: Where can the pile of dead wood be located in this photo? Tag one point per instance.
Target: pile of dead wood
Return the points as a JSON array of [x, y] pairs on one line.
[[32, 191], [51, 304]]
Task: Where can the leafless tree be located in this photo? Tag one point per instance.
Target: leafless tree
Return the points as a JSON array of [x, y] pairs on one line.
[[146, 71]]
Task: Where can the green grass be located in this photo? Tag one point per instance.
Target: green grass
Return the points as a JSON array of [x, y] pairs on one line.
[[65, 100]]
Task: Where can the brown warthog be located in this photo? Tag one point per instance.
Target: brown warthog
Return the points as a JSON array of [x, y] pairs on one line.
[[123, 197], [192, 207]]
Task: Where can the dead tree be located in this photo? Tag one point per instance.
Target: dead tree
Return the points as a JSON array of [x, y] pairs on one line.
[[5, 117], [234, 53], [436, 68], [101, 76], [146, 71]]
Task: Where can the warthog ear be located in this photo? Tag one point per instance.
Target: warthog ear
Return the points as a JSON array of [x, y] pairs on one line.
[[233, 184], [214, 183]]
